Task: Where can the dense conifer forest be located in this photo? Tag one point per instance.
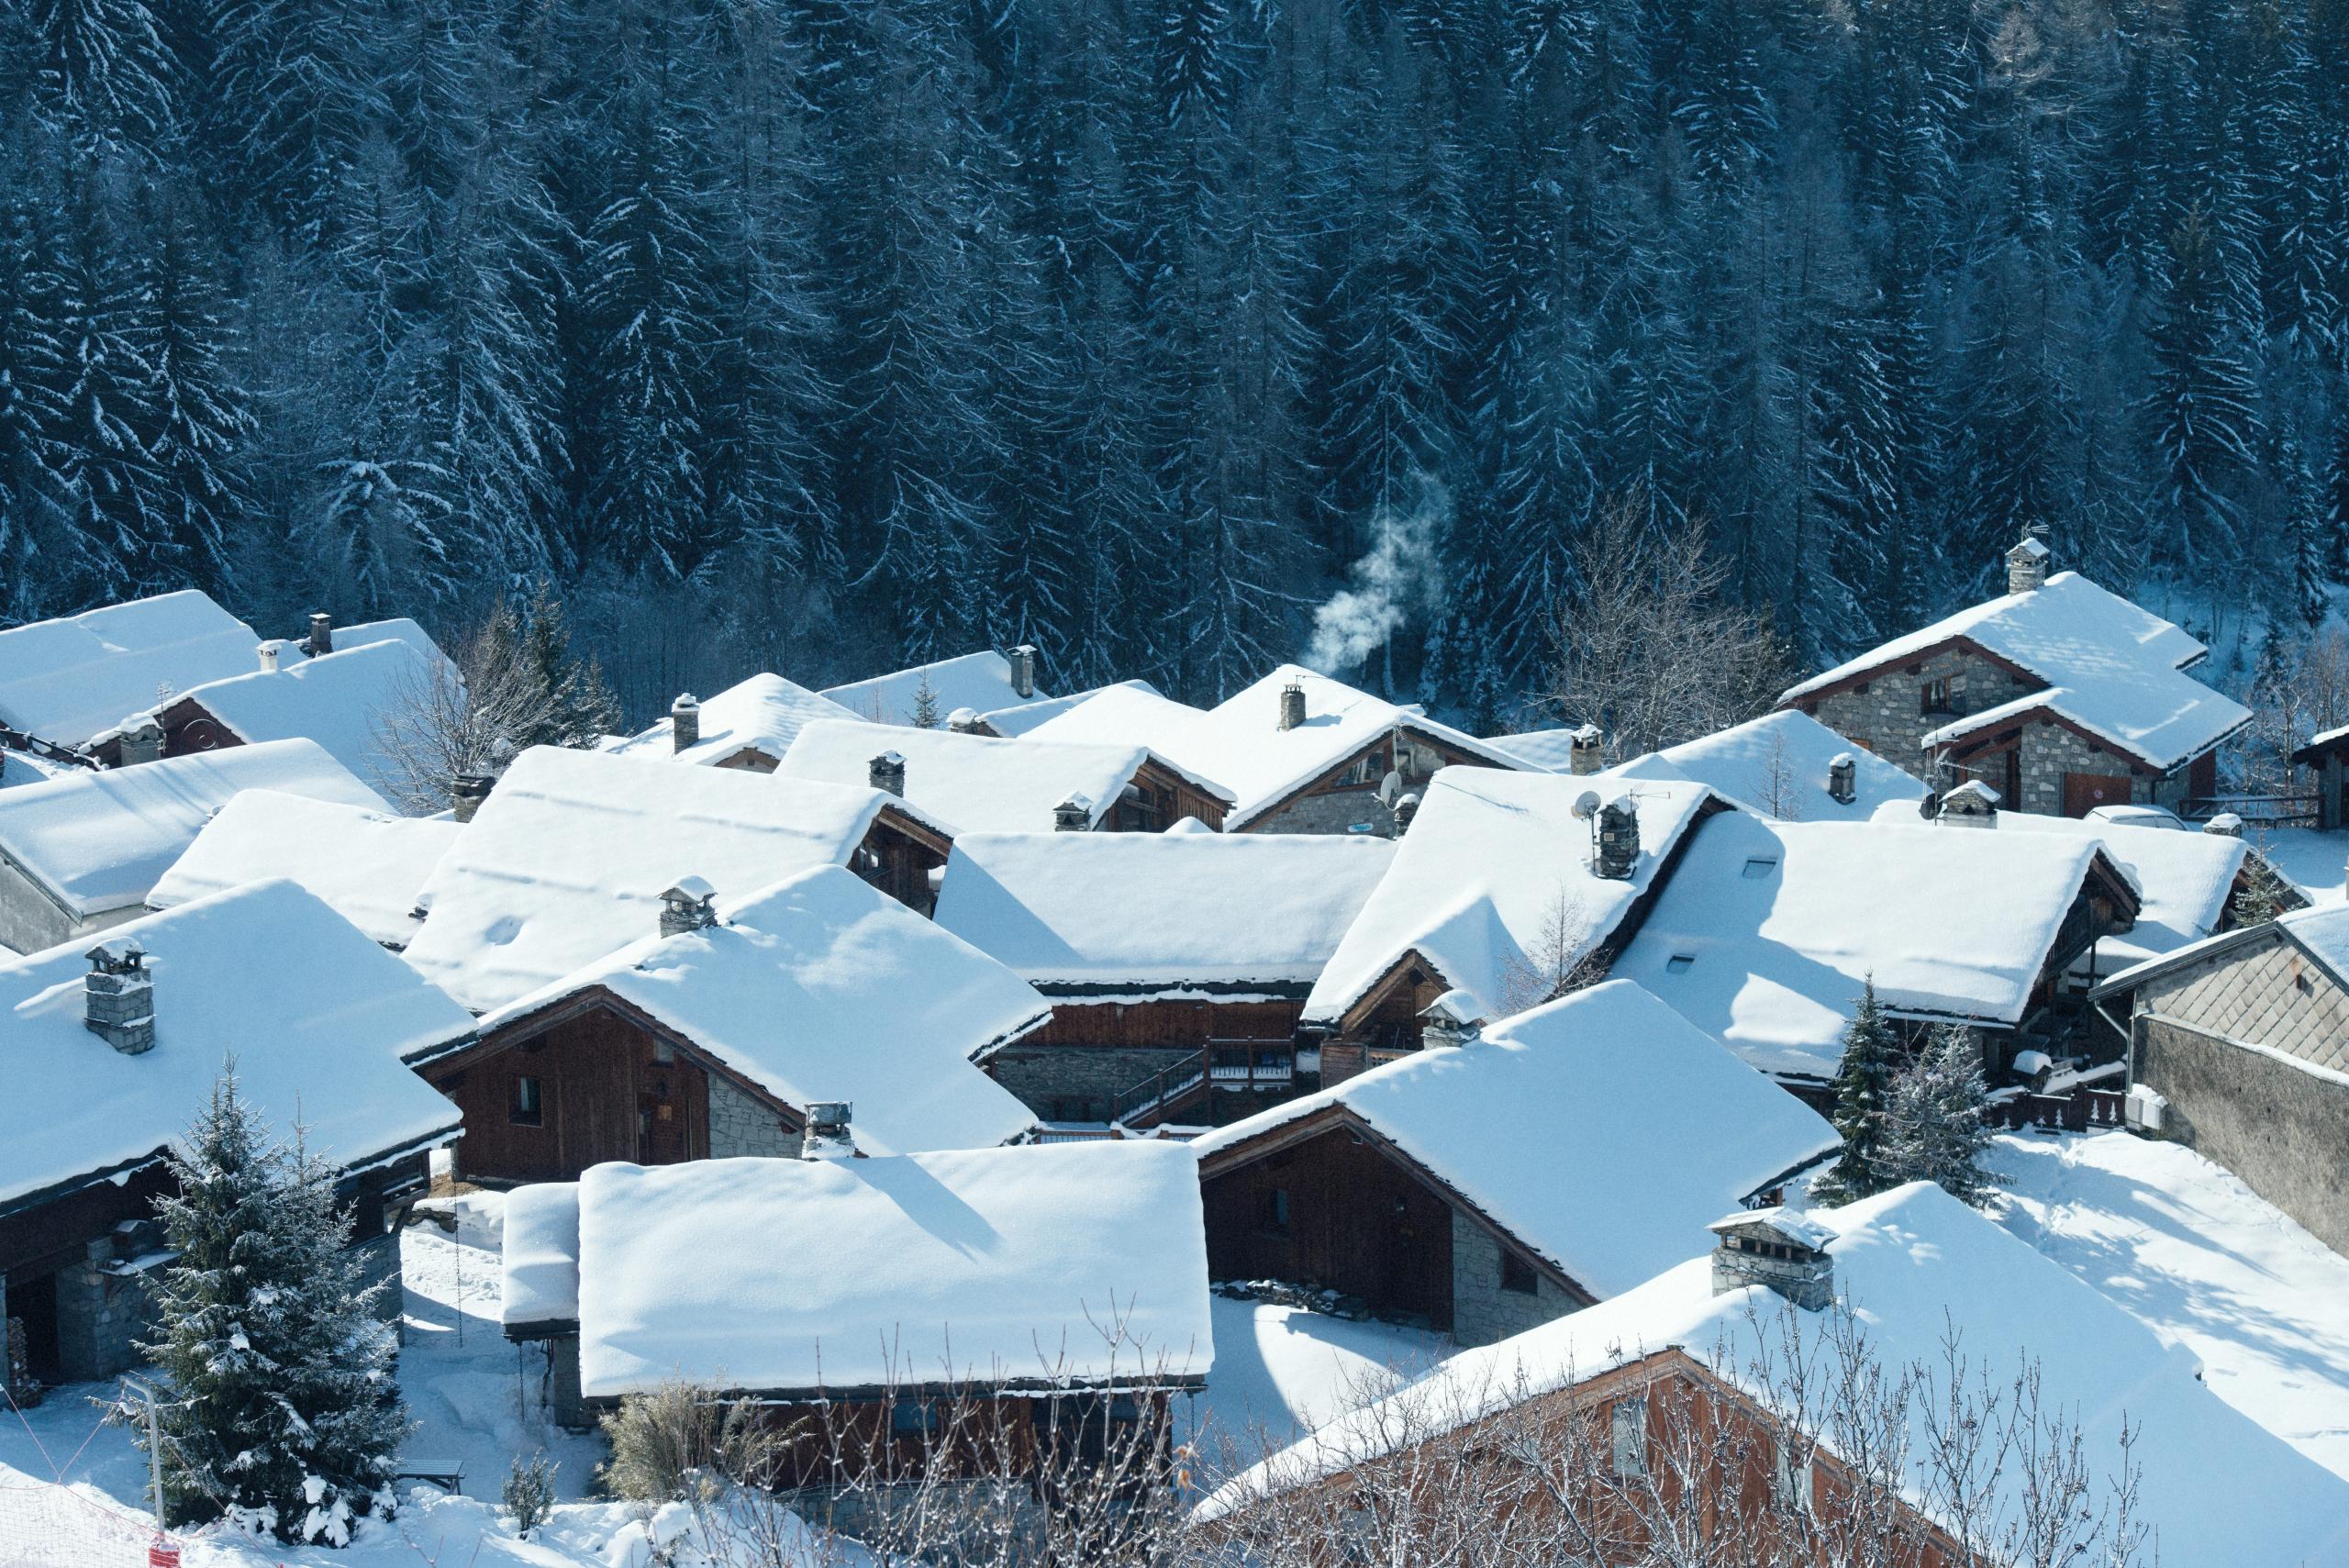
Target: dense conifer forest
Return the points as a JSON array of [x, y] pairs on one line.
[[829, 335]]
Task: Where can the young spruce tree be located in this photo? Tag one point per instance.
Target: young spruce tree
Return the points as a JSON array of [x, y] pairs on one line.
[[284, 1414], [1933, 1128], [1870, 1053]]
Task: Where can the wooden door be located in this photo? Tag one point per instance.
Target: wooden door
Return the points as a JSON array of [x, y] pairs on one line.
[[1417, 1279], [2084, 793], [671, 1107]]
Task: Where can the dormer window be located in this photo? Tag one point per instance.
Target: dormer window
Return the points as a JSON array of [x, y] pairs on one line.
[[1679, 962], [1759, 866]]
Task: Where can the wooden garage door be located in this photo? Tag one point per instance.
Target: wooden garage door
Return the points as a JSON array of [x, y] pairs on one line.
[[2085, 791]]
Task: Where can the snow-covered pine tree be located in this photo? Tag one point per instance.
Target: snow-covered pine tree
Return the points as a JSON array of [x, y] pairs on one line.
[[284, 1414], [379, 540], [202, 420], [571, 706], [1871, 1055], [925, 713], [1932, 1127]]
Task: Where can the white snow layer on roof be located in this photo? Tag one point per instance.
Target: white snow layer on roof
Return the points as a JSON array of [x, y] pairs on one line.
[[1550, 750], [1497, 866], [991, 1264], [977, 783], [1022, 718], [100, 839], [2110, 666], [1767, 931], [2183, 879], [1145, 911], [317, 1018], [567, 859], [762, 714], [980, 682], [1671, 1129], [1778, 765], [368, 866], [2324, 930], [69, 679], [542, 1254], [822, 988], [338, 700], [1913, 1265]]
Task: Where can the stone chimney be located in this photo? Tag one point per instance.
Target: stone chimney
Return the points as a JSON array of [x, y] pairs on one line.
[[2226, 825], [1074, 815], [1618, 853], [685, 722], [118, 997], [321, 634], [886, 772], [1451, 1020], [1023, 670], [2027, 561], [1844, 777], [466, 793], [268, 651], [1971, 804], [966, 721], [1777, 1248], [690, 905], [829, 1135], [142, 740], [1292, 705], [1585, 749], [1406, 808]]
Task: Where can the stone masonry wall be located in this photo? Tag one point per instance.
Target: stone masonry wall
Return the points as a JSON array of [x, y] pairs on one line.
[[739, 1126], [100, 1315], [1885, 718], [1083, 1078], [1339, 811], [2049, 751], [1482, 1312]]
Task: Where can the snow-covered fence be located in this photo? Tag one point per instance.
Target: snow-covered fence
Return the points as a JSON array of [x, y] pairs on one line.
[[46, 1525], [2077, 1111]]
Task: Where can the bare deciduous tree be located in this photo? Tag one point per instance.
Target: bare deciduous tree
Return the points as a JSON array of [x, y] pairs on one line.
[[1562, 958]]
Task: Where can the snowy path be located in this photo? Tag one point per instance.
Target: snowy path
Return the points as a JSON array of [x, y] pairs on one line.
[[2204, 1262]]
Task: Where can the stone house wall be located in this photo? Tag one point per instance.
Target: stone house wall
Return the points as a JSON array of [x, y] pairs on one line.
[[1482, 1312], [2266, 991], [739, 1126], [1080, 1080], [1356, 811], [2050, 751], [1885, 716]]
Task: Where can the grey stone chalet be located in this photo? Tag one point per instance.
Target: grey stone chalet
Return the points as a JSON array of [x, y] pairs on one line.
[[2060, 695]]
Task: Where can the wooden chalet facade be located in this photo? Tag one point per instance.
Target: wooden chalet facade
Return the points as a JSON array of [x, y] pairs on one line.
[[1159, 796], [1190, 1058], [899, 853]]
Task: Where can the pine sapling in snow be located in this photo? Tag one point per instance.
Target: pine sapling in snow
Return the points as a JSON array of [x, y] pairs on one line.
[[925, 714], [1871, 1052], [529, 1494], [1933, 1128], [284, 1414]]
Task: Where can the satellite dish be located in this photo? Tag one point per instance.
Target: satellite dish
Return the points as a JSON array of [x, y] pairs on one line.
[[1389, 787], [1586, 805]]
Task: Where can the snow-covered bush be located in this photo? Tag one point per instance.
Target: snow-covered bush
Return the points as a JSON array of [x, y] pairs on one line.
[[677, 1441], [528, 1493]]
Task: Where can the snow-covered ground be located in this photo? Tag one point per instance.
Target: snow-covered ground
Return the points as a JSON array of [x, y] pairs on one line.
[[1281, 1371], [2317, 864], [2203, 1260]]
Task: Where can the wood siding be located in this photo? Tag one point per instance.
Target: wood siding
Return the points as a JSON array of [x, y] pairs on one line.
[[1168, 1021]]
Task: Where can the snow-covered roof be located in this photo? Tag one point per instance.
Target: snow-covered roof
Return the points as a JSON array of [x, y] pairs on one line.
[[2320, 930], [368, 866], [1495, 864], [566, 859], [317, 1018], [1778, 765], [1767, 931], [395, 628], [1080, 1264], [979, 783], [1143, 912], [2112, 667], [762, 714], [2183, 879], [1670, 1129], [980, 682], [69, 679], [338, 700], [1914, 1265], [1022, 718], [19, 769], [1549, 751], [540, 1239], [98, 841], [822, 988]]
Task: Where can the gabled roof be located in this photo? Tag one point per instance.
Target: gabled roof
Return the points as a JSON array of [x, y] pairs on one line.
[[1079, 1265], [1669, 1129], [1914, 1265], [977, 783], [99, 840], [762, 714], [1543, 751], [367, 866], [69, 679], [337, 699], [2111, 667], [822, 988], [317, 1018], [1140, 913], [980, 682], [1778, 765], [1022, 718], [2320, 931], [1768, 931], [539, 1238], [1495, 864], [566, 859]]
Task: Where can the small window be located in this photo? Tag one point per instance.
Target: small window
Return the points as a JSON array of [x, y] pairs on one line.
[[1517, 1275], [522, 1105], [1629, 1428], [1679, 962], [1790, 1477], [913, 1418], [1760, 866], [663, 1053], [1277, 1210], [1933, 697]]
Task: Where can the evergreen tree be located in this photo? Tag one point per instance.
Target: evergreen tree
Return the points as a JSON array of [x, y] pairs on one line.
[[202, 421], [1863, 1085], [284, 1413], [570, 706], [105, 74], [379, 541], [1933, 1125], [2203, 402]]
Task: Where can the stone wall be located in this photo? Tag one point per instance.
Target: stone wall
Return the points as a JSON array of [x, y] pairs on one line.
[[739, 1126], [101, 1315], [1885, 716], [1334, 811], [1082, 1079], [2049, 751], [1482, 1312], [2280, 1127]]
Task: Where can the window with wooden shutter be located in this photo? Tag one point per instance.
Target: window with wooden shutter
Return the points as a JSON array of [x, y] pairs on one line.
[[1629, 1430]]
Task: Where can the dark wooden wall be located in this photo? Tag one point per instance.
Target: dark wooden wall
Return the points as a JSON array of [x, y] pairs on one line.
[[602, 1096], [1357, 1221], [1166, 798], [1185, 1023]]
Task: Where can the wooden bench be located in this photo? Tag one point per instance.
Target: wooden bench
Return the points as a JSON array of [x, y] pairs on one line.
[[449, 1476]]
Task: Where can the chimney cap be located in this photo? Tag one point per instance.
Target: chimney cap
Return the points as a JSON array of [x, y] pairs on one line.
[[1587, 731], [125, 957], [691, 888], [2031, 546], [1972, 795], [1798, 1229], [891, 759], [685, 700]]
